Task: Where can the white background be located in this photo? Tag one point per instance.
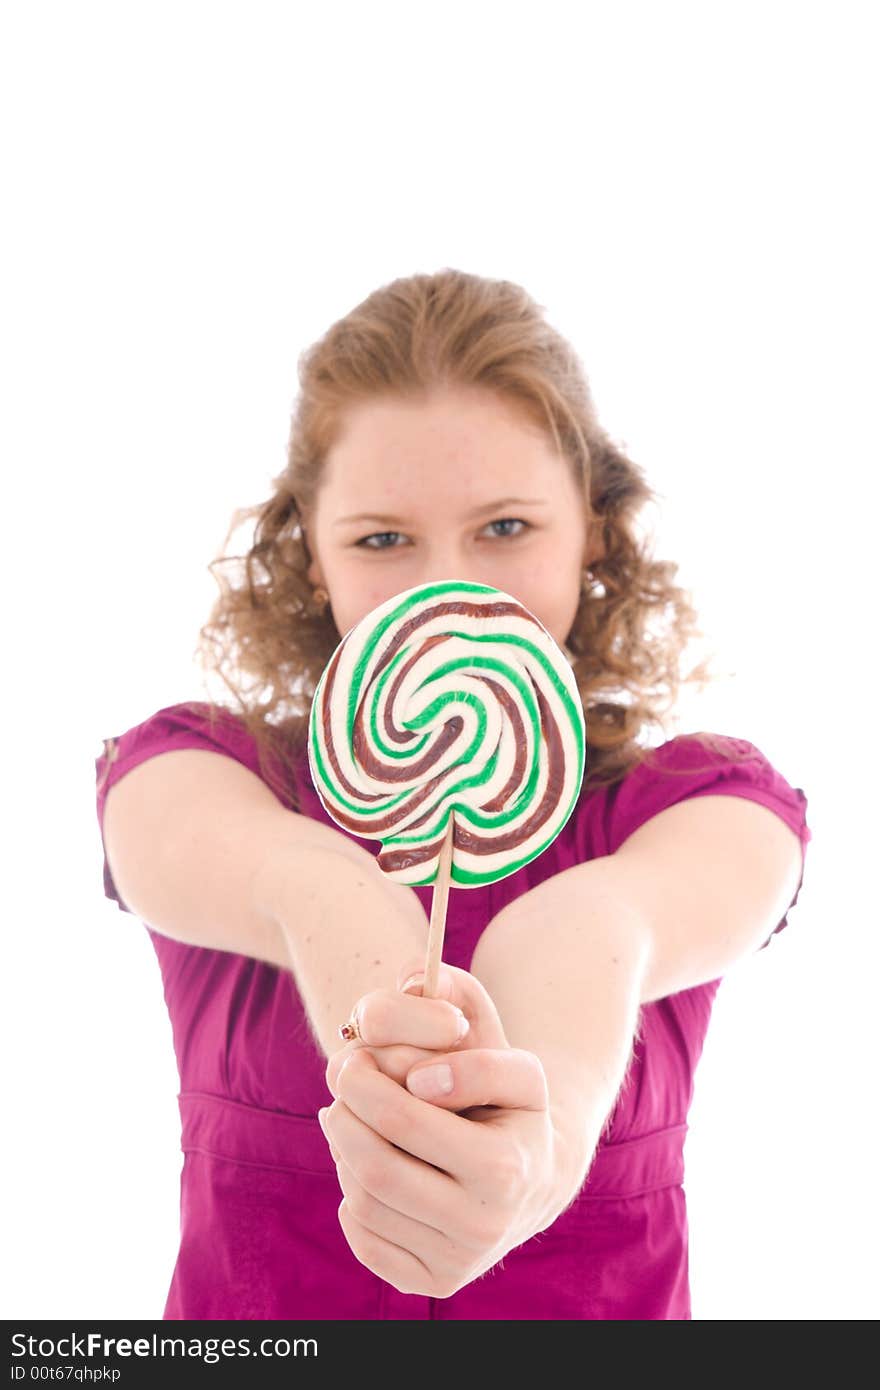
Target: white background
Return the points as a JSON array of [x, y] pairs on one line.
[[193, 193]]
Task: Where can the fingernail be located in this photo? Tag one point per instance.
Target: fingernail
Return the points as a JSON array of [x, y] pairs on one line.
[[429, 1082], [463, 1025], [418, 979]]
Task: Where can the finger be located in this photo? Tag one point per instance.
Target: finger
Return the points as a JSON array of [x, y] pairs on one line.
[[428, 1242], [398, 1267], [449, 1142], [334, 1152], [388, 1174], [386, 1016], [410, 978], [509, 1077], [394, 1061], [439, 1254], [469, 995]]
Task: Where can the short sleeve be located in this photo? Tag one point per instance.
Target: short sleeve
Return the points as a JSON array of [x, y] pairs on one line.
[[193, 725], [686, 767]]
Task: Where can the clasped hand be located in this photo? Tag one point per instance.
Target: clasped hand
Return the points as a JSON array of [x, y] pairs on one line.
[[437, 1190]]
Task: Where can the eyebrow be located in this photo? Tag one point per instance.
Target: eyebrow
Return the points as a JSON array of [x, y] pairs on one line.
[[478, 511]]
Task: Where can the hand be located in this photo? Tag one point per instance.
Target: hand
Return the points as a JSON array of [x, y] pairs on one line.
[[386, 1017], [400, 1028], [435, 1193]]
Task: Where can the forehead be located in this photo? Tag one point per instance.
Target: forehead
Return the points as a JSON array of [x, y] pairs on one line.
[[406, 443]]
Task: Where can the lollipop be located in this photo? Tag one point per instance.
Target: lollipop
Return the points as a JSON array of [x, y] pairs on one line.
[[449, 726]]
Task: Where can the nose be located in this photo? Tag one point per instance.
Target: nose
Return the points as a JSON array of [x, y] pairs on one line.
[[447, 563], [454, 575]]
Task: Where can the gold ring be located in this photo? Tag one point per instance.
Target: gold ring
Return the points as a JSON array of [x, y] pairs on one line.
[[349, 1031]]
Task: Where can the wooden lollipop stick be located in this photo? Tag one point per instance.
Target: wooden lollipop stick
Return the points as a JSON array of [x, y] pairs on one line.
[[437, 926]]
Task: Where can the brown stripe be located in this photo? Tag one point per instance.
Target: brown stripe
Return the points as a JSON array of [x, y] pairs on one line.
[[515, 779], [424, 616], [393, 860], [329, 746]]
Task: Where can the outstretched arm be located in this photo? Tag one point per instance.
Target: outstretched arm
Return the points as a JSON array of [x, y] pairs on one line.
[[565, 967], [696, 888], [203, 851]]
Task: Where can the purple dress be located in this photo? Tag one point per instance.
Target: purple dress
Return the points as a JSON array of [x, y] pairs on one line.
[[259, 1233]]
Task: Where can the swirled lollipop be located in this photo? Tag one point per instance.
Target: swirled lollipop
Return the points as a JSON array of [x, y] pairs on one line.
[[448, 724]]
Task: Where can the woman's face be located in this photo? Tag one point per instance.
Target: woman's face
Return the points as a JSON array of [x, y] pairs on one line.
[[461, 486]]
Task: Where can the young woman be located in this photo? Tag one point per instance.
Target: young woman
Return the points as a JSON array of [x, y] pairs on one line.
[[513, 1148]]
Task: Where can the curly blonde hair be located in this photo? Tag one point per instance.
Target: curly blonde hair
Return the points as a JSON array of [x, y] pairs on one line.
[[267, 640]]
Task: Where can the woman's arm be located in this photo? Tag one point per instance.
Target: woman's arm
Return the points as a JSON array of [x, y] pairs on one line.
[[203, 852], [695, 889], [347, 928], [564, 964]]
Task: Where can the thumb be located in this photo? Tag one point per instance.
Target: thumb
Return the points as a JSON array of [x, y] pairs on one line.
[[508, 1077]]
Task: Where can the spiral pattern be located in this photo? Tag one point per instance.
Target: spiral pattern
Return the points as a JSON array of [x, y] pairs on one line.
[[449, 699]]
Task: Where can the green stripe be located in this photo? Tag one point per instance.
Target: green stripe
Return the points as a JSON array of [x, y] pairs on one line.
[[378, 686], [465, 877]]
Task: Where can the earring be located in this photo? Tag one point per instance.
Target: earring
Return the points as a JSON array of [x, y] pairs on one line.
[[320, 598]]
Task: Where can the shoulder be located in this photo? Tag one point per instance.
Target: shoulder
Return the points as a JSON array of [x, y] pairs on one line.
[[188, 724], [700, 764], [716, 878]]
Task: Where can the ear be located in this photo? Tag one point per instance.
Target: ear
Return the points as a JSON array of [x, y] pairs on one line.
[[595, 549], [313, 570]]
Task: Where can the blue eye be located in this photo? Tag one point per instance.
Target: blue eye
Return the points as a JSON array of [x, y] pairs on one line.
[[507, 521], [377, 535]]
